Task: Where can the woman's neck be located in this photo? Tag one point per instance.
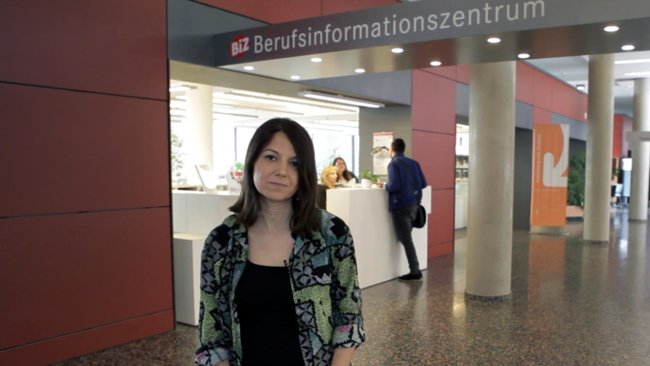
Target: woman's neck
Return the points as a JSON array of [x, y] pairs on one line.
[[275, 216]]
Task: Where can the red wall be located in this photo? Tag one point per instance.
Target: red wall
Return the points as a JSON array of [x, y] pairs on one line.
[[288, 10], [620, 146], [85, 237], [434, 130], [433, 115], [547, 95]]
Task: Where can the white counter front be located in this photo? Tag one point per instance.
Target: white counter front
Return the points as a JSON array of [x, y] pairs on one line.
[[199, 212], [194, 215], [380, 257]]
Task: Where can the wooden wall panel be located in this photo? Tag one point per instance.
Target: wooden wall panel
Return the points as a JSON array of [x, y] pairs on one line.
[[270, 11], [568, 101], [618, 137], [543, 90], [462, 74], [459, 73], [70, 151], [116, 47], [541, 116], [433, 103], [525, 87], [85, 237], [67, 273], [436, 154], [87, 341], [433, 114], [449, 72], [284, 11], [342, 6]]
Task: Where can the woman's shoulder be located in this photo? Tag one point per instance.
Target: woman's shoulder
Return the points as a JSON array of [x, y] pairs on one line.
[[331, 225], [224, 231]]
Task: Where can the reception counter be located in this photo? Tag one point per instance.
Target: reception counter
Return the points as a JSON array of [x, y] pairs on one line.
[[194, 215], [380, 257], [199, 212]]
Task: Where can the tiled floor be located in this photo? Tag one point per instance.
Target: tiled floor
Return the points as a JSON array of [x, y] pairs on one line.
[[572, 304]]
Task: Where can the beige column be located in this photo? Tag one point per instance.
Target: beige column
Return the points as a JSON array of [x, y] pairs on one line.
[[633, 278], [491, 169], [599, 148], [640, 152], [198, 144]]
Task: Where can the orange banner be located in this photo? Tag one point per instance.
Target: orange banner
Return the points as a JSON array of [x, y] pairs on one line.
[[550, 172]]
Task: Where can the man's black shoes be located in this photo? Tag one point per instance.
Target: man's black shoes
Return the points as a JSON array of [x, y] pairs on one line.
[[411, 276]]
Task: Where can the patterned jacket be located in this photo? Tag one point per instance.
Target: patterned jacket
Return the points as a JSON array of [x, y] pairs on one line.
[[324, 283]]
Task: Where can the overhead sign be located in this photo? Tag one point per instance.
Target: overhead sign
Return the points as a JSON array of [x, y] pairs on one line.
[[416, 22]]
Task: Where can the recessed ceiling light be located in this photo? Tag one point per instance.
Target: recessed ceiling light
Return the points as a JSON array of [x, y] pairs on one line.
[[435, 63], [580, 87], [249, 68], [396, 50], [295, 77], [523, 55], [494, 40], [627, 47], [611, 28], [359, 70], [316, 59]]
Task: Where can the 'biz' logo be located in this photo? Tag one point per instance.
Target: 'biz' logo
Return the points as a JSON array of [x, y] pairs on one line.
[[239, 46]]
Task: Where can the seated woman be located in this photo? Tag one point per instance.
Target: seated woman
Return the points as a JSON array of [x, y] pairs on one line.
[[327, 181], [346, 177]]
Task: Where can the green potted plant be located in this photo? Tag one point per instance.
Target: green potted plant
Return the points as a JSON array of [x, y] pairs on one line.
[[367, 178], [176, 158], [576, 185], [368, 175]]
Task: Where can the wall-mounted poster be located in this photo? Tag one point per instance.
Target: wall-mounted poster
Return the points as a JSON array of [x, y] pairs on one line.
[[381, 152], [550, 171]]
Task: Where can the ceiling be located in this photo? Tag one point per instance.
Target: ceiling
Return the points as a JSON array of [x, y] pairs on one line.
[[574, 70], [251, 108]]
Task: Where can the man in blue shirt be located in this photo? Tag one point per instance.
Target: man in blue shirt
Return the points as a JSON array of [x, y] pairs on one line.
[[404, 186]]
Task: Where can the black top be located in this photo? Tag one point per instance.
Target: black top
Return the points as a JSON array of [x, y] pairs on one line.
[[268, 321]]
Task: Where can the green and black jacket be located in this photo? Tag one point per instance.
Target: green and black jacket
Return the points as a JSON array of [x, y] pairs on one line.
[[325, 288]]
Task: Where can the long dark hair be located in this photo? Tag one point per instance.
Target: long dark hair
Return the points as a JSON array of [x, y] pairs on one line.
[[347, 174], [247, 207]]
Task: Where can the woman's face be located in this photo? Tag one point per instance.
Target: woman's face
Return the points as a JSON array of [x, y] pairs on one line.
[[332, 176], [340, 165], [275, 172]]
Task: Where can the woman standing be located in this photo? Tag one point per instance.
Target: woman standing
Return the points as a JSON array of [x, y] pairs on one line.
[[278, 278]]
